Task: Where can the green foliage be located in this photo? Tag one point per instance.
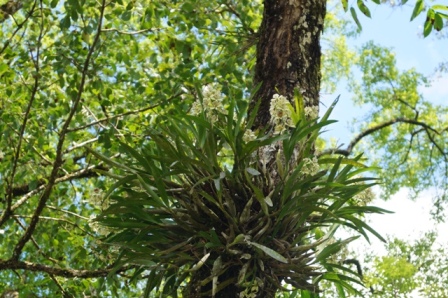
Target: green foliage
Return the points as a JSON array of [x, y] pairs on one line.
[[182, 205], [114, 75], [410, 267], [412, 129], [434, 18], [406, 269], [140, 66], [434, 15]]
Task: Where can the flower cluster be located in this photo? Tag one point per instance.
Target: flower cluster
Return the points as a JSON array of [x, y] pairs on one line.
[[311, 112], [365, 197], [249, 135], [98, 200], [310, 166], [212, 103], [280, 114], [97, 227]]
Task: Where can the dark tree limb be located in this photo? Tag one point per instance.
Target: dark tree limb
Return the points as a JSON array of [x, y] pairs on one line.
[[59, 148], [349, 150], [9, 9], [24, 190], [63, 272], [396, 97], [19, 26]]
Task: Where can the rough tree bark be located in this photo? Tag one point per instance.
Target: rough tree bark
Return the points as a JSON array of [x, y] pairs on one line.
[[288, 53]]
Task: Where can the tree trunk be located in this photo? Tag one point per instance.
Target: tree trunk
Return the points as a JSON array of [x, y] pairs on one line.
[[288, 53], [288, 58]]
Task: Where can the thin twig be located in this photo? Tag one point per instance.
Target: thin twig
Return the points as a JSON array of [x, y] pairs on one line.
[[68, 212], [128, 32], [80, 145], [10, 180], [401, 100], [106, 119], [64, 293], [16, 218], [443, 153], [57, 219]]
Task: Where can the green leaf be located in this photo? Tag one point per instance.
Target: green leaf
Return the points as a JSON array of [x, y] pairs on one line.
[[333, 248], [253, 171], [418, 8], [108, 160], [132, 152], [438, 22], [355, 18], [439, 7], [345, 5], [347, 161], [242, 273], [363, 8], [340, 290], [427, 28], [65, 22], [270, 252], [150, 191], [258, 194]]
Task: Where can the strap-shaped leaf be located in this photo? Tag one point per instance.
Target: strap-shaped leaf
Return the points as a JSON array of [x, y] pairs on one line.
[[355, 18], [201, 262], [270, 252], [333, 248]]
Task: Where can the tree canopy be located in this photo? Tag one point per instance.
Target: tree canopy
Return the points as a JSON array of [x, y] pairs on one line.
[[172, 147]]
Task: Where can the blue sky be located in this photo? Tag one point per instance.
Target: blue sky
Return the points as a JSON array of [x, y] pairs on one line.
[[391, 27]]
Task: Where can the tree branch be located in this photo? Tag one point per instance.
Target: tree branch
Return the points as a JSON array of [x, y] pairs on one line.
[[129, 32], [10, 180], [19, 26], [9, 9], [401, 100], [55, 219], [359, 137], [24, 189], [106, 119], [59, 148], [63, 272], [431, 138]]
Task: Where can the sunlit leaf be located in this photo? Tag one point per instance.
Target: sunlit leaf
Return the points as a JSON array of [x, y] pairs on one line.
[[418, 8]]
